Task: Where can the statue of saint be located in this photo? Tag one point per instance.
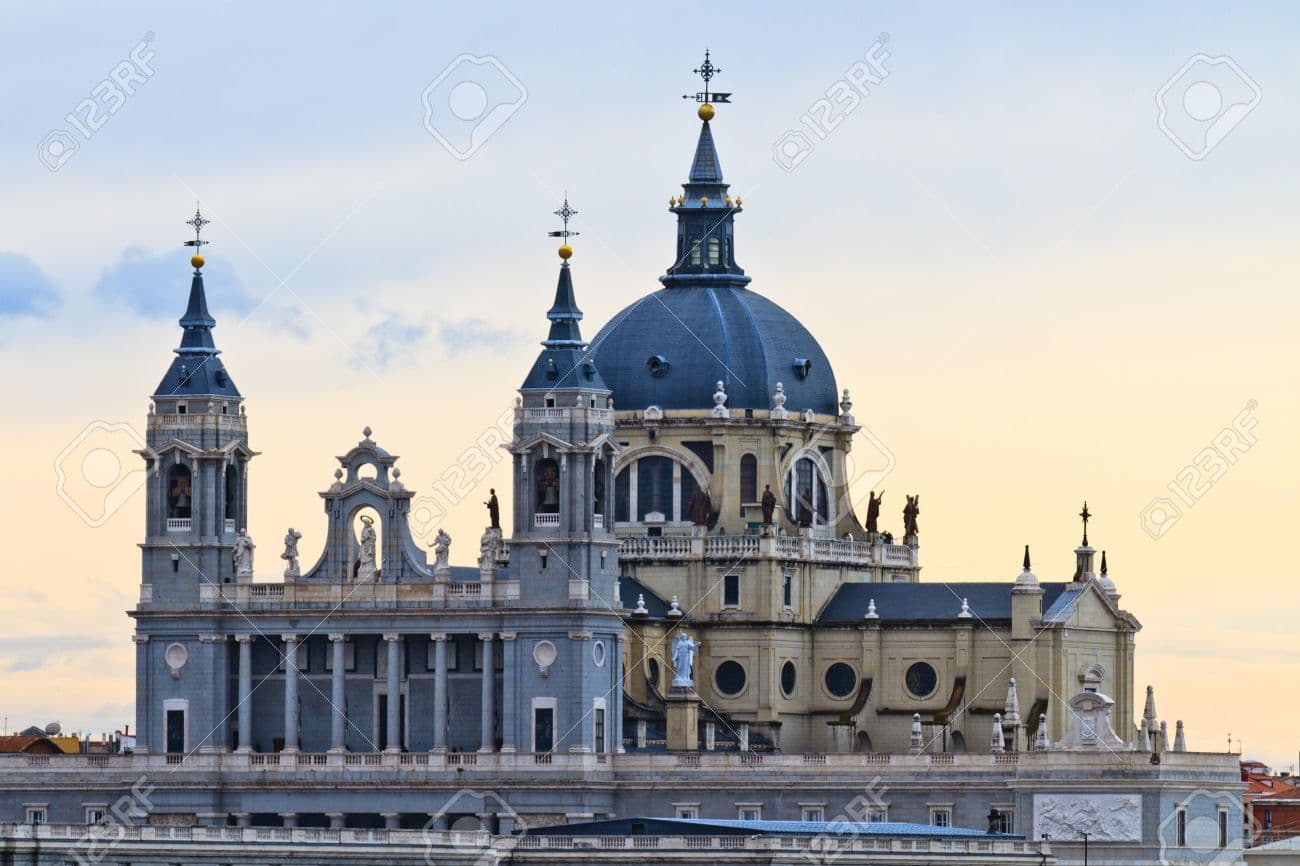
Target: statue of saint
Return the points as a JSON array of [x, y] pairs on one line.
[[700, 507], [683, 655], [441, 550], [873, 511], [910, 512], [769, 504], [243, 554], [366, 566], [494, 510], [487, 548], [290, 555]]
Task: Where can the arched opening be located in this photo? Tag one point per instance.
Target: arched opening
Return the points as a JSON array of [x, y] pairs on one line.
[[862, 743], [232, 496], [806, 493], [547, 487], [179, 493], [367, 546], [748, 478], [598, 487], [654, 488], [958, 743], [368, 471]]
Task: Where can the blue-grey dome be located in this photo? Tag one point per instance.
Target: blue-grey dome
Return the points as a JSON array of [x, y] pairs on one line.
[[672, 347]]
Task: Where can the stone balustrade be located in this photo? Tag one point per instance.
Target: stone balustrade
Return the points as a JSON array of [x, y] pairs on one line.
[[825, 550], [353, 595]]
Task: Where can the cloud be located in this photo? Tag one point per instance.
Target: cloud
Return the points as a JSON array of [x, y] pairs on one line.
[[32, 653], [470, 334], [157, 286], [386, 340], [24, 290]]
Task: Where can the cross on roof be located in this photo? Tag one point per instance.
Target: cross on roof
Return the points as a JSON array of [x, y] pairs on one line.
[[707, 70], [198, 222], [1086, 515]]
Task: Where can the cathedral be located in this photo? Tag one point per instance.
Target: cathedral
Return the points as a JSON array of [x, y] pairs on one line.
[[683, 616]]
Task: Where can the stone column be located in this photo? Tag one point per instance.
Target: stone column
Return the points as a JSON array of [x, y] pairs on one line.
[[438, 822], [392, 820], [290, 819], [439, 691], [508, 711], [336, 820], [487, 736], [243, 819], [290, 692], [616, 695], [245, 692], [394, 733], [143, 729], [338, 694]]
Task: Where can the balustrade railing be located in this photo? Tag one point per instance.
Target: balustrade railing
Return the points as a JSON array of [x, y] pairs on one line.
[[829, 550], [179, 524]]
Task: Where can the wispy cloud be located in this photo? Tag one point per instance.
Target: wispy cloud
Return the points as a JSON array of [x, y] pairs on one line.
[[469, 334], [387, 340], [24, 289], [34, 652], [157, 285]]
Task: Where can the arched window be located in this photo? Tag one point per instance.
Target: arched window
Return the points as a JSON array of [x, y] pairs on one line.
[[715, 251], [654, 487], [598, 487], [656, 484], [695, 252], [806, 493], [232, 495], [547, 473], [179, 493], [748, 478], [622, 493]]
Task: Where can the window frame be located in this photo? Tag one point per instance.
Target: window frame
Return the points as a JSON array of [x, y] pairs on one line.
[[731, 595]]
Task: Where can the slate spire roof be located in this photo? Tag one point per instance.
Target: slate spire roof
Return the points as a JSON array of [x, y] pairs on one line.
[[564, 314], [197, 371]]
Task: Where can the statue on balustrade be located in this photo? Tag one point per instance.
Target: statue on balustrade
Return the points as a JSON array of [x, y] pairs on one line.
[[683, 656], [290, 555], [441, 551], [700, 507], [242, 555], [494, 510], [366, 562], [873, 512], [769, 504], [910, 512]]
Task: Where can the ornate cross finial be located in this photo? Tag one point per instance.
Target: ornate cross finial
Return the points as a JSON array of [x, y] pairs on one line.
[[198, 222], [565, 213], [706, 71], [1086, 515]]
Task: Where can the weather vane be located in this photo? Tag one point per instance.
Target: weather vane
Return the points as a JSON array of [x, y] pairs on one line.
[[565, 213], [707, 70], [1086, 515], [198, 222]]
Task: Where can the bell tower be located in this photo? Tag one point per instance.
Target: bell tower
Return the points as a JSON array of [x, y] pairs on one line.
[[563, 541], [197, 454]]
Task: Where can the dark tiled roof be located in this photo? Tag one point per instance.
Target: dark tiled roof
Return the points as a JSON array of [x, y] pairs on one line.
[[197, 371], [725, 827], [927, 602], [629, 588]]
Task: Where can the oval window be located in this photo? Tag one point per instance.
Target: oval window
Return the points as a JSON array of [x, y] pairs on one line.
[[921, 680], [840, 680], [652, 671], [730, 678], [598, 653], [789, 677]]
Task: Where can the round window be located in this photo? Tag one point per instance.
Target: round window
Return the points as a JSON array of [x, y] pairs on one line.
[[730, 678], [921, 680], [598, 653], [840, 680], [789, 676]]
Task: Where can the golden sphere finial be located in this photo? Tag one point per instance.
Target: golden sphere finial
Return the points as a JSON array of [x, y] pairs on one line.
[[565, 251], [705, 112], [197, 261]]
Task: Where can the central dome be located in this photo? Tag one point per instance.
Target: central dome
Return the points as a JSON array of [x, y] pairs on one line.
[[671, 348]]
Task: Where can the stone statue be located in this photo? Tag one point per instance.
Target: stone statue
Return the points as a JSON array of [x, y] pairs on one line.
[[243, 554], [290, 555], [487, 548], [441, 550], [683, 656], [366, 566], [873, 511], [700, 507], [769, 504], [910, 511], [494, 510]]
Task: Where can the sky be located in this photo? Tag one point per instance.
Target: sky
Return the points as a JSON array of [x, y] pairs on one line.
[[1049, 249]]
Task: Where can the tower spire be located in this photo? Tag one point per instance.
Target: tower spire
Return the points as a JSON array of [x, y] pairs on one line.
[[564, 313]]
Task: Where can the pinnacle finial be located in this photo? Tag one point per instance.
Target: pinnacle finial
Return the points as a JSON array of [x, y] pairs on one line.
[[705, 97], [197, 222], [1104, 569], [1027, 557], [1086, 515], [565, 213]]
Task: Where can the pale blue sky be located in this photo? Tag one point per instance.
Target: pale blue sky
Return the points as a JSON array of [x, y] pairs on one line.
[[1032, 292]]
